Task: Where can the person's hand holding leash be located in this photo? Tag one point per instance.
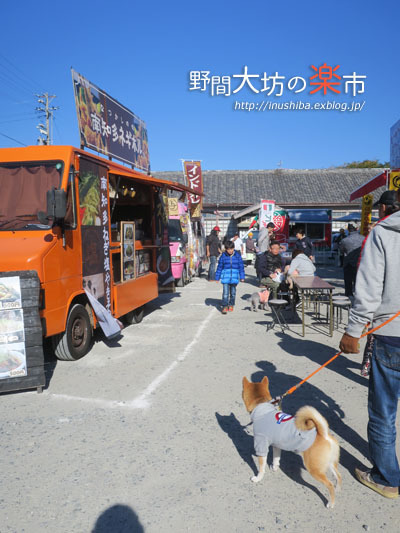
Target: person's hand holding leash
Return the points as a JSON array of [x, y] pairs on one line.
[[349, 344]]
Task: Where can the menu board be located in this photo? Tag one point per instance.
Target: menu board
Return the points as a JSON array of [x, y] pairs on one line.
[[142, 262], [128, 250], [12, 335], [10, 293]]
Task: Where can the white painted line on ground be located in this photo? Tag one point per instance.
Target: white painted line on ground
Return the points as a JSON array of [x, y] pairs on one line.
[[106, 404], [141, 402]]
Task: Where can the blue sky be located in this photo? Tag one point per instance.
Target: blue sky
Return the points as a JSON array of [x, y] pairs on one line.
[[141, 53]]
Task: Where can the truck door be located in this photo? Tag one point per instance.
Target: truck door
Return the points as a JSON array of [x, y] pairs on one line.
[[95, 230]]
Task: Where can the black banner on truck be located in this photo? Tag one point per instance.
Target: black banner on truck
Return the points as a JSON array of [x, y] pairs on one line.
[[95, 227]]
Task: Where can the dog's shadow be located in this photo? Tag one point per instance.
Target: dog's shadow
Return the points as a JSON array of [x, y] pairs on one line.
[[242, 440]]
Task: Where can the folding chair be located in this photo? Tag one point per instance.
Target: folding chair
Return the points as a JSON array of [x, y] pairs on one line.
[[277, 306], [339, 303]]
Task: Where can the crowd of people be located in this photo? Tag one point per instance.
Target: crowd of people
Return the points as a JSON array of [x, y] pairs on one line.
[[371, 266], [273, 274]]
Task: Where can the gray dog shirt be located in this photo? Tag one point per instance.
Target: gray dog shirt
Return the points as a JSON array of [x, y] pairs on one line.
[[272, 427]]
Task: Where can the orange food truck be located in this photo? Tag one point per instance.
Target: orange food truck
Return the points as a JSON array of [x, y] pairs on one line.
[[84, 224]]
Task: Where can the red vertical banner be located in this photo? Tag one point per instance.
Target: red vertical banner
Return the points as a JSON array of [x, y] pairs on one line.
[[192, 170]]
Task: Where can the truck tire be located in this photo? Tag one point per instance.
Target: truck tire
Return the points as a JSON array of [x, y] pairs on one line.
[[135, 316], [181, 281], [76, 340]]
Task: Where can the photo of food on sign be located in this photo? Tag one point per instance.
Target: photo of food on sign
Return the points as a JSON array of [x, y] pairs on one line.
[[10, 293], [128, 232], [163, 262], [89, 194], [12, 360], [128, 251], [129, 269], [90, 107], [11, 320]]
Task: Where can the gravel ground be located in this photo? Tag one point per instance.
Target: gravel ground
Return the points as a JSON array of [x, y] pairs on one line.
[[150, 433]]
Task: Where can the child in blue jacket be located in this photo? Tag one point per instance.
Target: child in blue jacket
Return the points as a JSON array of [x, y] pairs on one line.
[[230, 270]]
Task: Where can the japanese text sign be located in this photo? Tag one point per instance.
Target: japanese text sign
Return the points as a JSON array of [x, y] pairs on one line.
[[108, 127], [366, 211], [266, 213], [95, 227], [394, 180], [192, 170]]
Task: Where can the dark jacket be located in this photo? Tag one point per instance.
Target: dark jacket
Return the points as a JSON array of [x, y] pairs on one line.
[[269, 262], [213, 243], [351, 248], [305, 245], [230, 268], [250, 245]]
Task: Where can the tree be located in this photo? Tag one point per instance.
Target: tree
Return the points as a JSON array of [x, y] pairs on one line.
[[367, 163]]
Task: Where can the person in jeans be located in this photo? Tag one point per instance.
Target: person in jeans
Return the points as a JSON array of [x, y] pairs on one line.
[[377, 298], [265, 236], [351, 248], [230, 270], [213, 250], [339, 238]]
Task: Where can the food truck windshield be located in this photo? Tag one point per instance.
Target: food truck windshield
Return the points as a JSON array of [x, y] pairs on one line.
[[23, 193], [175, 230]]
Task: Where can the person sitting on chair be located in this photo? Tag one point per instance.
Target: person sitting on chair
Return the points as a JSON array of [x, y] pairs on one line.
[[301, 265], [271, 267]]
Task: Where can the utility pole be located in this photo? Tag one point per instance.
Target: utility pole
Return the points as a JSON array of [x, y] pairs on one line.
[[46, 112]]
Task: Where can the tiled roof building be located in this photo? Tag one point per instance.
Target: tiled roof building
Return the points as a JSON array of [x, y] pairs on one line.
[[289, 188]]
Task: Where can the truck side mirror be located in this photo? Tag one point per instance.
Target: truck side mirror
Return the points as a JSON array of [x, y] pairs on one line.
[[56, 206], [185, 238]]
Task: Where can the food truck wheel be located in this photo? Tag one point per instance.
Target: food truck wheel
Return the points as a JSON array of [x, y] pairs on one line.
[[199, 269], [75, 342], [135, 316], [181, 281]]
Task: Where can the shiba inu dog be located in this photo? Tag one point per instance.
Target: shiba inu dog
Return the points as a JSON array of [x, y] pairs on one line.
[[306, 433]]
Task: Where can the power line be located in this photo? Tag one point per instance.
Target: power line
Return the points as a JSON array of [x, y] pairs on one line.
[[12, 97], [27, 117], [17, 114], [34, 85], [13, 85], [58, 132], [15, 140]]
